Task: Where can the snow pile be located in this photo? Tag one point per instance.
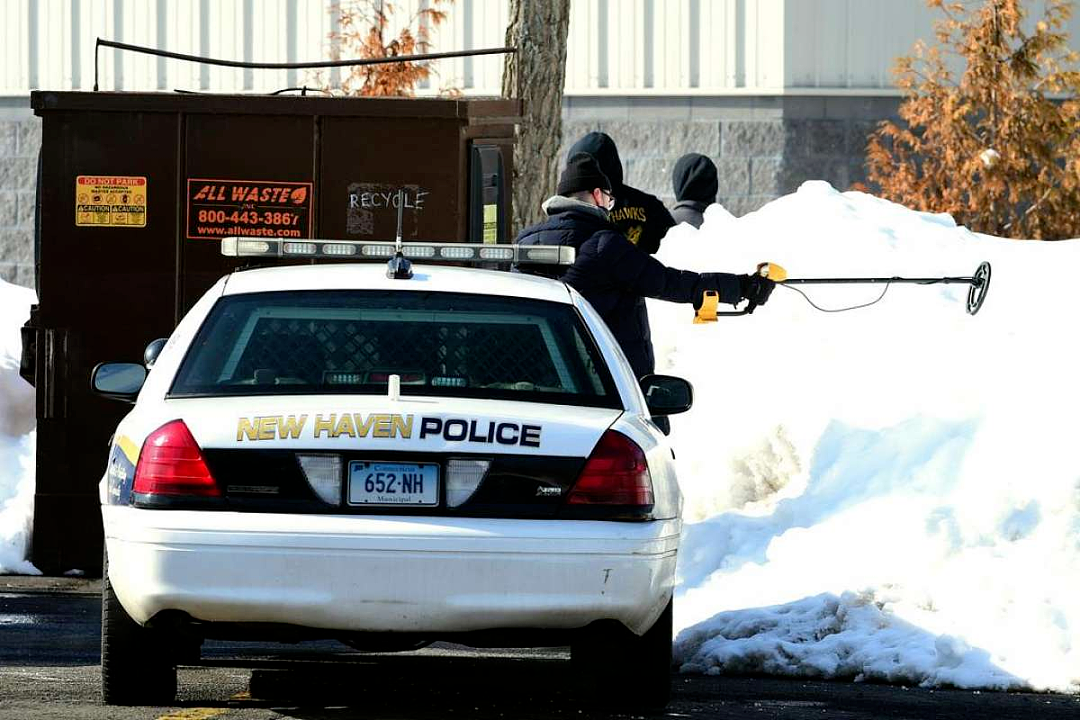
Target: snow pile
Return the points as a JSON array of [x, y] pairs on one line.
[[16, 435], [849, 636], [889, 493]]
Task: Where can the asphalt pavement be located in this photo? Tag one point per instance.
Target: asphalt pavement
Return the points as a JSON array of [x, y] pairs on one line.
[[49, 644]]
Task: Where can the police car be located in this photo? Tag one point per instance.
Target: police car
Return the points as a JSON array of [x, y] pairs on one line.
[[390, 454]]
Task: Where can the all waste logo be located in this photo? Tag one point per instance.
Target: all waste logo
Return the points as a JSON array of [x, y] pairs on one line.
[[248, 208]]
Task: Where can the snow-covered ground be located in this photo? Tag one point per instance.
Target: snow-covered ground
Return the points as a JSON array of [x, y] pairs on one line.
[[885, 494], [890, 493], [16, 435]]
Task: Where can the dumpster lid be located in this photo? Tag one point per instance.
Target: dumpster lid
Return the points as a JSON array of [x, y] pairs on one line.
[[475, 110]]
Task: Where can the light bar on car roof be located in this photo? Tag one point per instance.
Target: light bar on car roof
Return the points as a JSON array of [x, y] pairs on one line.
[[384, 250]]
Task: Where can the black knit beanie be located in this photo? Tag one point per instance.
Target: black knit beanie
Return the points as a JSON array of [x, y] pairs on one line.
[[694, 178], [582, 173]]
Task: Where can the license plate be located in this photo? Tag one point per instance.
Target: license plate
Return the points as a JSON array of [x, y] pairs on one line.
[[386, 483]]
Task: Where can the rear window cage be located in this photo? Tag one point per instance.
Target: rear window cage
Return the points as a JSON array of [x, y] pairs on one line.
[[350, 341]]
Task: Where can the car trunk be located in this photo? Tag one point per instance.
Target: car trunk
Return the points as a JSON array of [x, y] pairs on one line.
[[372, 455]]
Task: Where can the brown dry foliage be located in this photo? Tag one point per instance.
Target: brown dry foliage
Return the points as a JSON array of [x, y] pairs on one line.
[[365, 27], [1017, 97]]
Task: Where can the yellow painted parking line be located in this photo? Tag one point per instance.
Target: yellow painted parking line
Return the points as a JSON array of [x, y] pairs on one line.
[[242, 695], [192, 714]]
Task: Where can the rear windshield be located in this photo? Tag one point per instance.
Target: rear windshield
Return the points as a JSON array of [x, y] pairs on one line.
[[445, 344]]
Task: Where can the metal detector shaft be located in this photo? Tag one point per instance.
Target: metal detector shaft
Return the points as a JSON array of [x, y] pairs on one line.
[[978, 283], [870, 281]]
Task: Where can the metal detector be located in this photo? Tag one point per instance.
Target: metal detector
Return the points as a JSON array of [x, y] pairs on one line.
[[978, 284]]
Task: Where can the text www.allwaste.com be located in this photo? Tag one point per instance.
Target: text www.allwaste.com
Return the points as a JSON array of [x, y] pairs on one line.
[[247, 232]]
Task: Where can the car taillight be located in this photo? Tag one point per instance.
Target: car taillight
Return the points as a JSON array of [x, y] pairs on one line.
[[171, 463], [615, 474]]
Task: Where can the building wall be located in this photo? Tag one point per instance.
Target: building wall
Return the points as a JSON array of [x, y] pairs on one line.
[[622, 47], [20, 138], [775, 91], [763, 147]]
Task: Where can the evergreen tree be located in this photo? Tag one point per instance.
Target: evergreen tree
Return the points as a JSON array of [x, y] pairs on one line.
[[999, 149]]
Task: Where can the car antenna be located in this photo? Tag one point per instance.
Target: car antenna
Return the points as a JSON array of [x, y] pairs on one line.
[[399, 267]]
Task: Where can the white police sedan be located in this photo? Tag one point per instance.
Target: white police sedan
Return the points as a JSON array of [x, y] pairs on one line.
[[390, 457]]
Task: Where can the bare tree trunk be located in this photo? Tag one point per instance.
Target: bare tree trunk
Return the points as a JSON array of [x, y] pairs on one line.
[[536, 74]]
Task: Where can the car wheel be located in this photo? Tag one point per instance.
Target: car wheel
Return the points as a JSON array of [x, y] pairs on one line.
[[625, 670], [136, 665]]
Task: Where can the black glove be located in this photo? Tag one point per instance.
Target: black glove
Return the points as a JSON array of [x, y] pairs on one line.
[[755, 289]]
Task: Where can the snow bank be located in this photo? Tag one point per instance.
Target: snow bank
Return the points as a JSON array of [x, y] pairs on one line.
[[849, 636], [16, 435], [889, 493]]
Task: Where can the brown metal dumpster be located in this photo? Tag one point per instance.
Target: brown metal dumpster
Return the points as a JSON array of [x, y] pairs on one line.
[[135, 192]]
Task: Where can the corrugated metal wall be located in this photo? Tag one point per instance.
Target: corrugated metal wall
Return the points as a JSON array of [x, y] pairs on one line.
[[619, 47], [852, 44], [849, 43]]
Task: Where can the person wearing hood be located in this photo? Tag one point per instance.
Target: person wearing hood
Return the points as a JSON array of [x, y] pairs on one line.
[[613, 274], [695, 184], [641, 217]]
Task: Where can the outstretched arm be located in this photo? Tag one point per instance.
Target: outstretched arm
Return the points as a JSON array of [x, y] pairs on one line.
[[643, 274]]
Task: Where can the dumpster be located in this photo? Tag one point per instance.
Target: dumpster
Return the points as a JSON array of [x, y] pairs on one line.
[[135, 192]]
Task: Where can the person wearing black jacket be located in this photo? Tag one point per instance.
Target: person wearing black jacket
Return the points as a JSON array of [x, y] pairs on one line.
[[641, 217], [614, 275], [695, 184]]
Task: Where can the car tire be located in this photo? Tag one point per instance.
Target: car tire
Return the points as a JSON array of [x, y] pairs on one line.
[[136, 665], [624, 670]]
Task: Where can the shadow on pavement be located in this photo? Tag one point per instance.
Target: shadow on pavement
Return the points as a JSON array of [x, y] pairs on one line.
[[427, 687]]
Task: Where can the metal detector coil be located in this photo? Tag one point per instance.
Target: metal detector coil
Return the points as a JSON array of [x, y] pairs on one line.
[[980, 283]]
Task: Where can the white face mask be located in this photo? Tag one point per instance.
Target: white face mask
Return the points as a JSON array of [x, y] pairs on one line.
[[607, 200]]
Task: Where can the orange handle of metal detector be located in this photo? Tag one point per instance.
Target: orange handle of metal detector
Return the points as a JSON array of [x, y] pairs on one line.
[[707, 312], [772, 271]]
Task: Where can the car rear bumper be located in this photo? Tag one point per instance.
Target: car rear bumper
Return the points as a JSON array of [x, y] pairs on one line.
[[390, 574]]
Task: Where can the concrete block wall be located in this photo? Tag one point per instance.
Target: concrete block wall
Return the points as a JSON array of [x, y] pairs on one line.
[[20, 139], [763, 147]]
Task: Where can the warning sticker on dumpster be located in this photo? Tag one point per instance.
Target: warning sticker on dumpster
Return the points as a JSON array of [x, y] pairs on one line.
[[110, 201], [248, 208]]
